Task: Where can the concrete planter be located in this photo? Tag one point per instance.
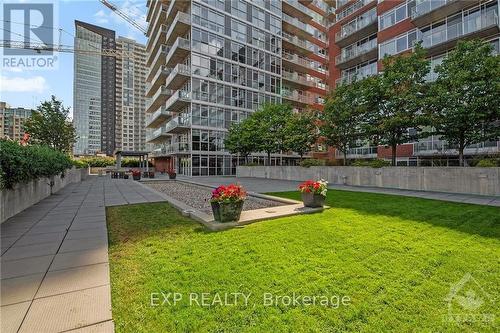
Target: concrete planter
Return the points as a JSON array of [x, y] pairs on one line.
[[227, 211], [313, 200]]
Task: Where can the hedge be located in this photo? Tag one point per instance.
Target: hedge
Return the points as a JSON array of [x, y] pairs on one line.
[[20, 164]]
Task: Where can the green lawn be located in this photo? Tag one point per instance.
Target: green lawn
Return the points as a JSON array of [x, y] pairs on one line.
[[394, 257]]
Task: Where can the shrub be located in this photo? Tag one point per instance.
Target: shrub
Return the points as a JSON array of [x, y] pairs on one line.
[[486, 163], [79, 164], [371, 163], [20, 164], [99, 162], [312, 162]]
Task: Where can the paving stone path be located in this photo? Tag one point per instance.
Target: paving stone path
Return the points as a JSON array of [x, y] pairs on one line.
[[54, 259]]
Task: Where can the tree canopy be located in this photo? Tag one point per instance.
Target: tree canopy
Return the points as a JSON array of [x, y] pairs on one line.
[[49, 125]]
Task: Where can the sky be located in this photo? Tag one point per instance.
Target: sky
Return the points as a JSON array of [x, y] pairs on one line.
[[24, 87]]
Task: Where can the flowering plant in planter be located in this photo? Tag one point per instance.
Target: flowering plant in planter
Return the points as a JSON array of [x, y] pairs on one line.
[[171, 173], [227, 202], [136, 174], [314, 192]]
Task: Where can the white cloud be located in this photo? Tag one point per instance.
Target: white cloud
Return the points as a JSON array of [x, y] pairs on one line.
[[134, 9], [36, 84]]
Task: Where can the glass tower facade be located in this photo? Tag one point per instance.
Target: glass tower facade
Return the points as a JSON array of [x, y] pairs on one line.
[[212, 63]]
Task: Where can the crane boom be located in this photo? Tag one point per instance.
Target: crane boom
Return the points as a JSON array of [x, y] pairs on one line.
[[123, 15]]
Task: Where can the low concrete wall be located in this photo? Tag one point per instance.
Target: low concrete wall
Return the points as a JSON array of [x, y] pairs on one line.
[[25, 195], [484, 181]]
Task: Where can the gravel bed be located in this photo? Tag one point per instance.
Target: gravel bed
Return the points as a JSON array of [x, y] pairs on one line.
[[198, 196]]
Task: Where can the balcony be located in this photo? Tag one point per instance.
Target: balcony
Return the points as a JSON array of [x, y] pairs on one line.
[[296, 9], [442, 148], [158, 99], [178, 100], [157, 80], [173, 148], [158, 60], [296, 44], [177, 6], [156, 18], [299, 64], [351, 9], [294, 26], [363, 26], [361, 73], [430, 11], [157, 136], [297, 98], [154, 43], [178, 76], [179, 27], [358, 153], [357, 55], [179, 124], [296, 80], [178, 52], [158, 117], [445, 37]]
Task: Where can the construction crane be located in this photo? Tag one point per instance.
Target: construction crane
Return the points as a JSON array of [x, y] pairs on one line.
[[41, 47], [124, 16]]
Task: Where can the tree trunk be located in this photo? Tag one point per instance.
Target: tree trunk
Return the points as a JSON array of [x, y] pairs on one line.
[[461, 155], [345, 159], [268, 158], [393, 157]]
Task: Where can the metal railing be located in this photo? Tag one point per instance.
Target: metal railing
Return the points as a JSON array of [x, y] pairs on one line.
[[359, 152], [178, 95], [179, 121], [351, 9], [443, 147], [359, 23], [427, 6], [361, 73], [178, 69], [356, 51], [155, 115], [470, 24]]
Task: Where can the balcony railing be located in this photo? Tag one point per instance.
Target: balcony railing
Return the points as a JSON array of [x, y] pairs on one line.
[[356, 51], [361, 73], [351, 9], [180, 18], [442, 147], [172, 148], [156, 134], [427, 6], [180, 121], [178, 69], [295, 77], [180, 43], [296, 4], [295, 96], [299, 24], [470, 24], [359, 152], [359, 23], [160, 113], [298, 60]]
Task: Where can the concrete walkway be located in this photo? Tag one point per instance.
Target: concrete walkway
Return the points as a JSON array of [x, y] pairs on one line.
[[54, 263], [262, 185]]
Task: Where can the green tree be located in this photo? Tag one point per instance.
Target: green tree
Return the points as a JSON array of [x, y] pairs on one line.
[[342, 116], [241, 138], [465, 99], [395, 99], [270, 127], [301, 132], [49, 125]]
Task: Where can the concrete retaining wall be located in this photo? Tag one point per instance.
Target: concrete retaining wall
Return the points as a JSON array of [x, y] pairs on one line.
[[484, 181], [25, 195]]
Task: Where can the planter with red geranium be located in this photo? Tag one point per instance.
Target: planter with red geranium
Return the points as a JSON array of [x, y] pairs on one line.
[[227, 203], [136, 174], [171, 174], [313, 193]]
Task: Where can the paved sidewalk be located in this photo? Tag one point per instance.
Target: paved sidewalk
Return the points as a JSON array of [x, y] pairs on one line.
[[262, 185], [54, 263]]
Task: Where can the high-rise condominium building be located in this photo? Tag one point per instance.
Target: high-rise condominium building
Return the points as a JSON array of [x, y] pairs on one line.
[[94, 106], [213, 62], [12, 120], [130, 95], [362, 32]]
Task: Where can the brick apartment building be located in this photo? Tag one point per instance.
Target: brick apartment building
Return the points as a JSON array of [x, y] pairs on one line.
[[12, 121], [362, 31]]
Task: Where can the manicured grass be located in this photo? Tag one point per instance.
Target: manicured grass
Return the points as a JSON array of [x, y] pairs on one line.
[[395, 257]]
